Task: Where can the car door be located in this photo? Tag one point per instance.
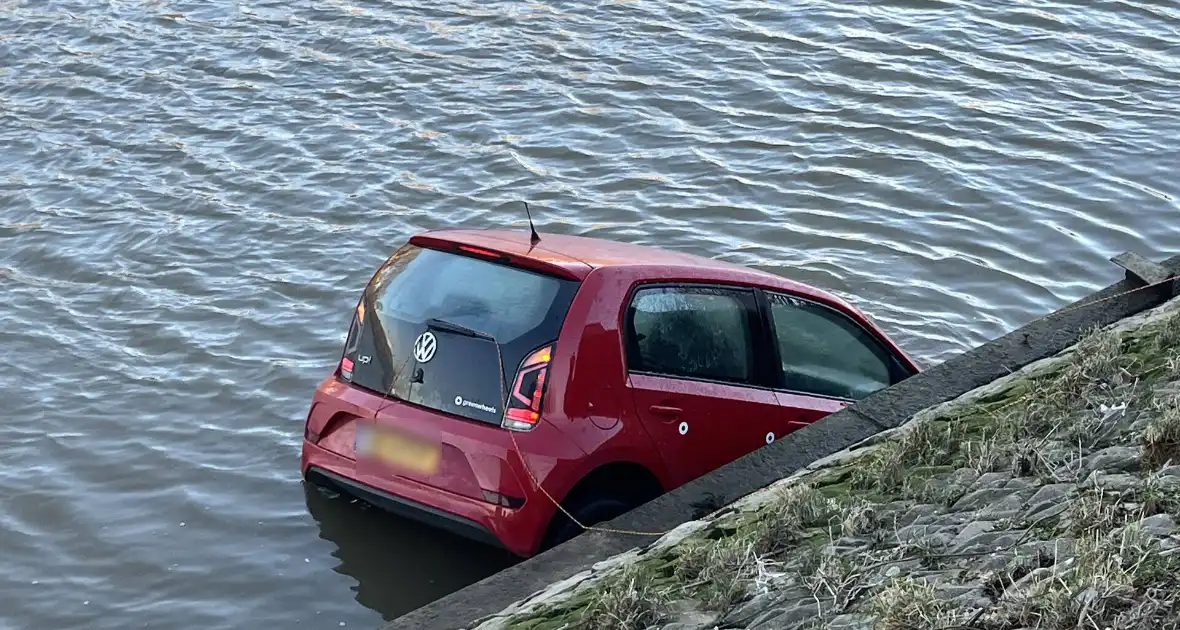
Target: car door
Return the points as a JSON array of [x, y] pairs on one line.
[[826, 359], [699, 374]]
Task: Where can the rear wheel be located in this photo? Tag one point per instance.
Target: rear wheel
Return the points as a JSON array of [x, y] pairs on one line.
[[602, 495], [589, 510]]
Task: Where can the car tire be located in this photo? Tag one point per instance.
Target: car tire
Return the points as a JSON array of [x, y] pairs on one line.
[[589, 511]]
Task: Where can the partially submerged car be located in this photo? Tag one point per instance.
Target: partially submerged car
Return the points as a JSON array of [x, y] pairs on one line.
[[489, 374]]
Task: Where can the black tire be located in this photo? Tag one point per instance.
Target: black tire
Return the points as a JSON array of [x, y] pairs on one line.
[[589, 511]]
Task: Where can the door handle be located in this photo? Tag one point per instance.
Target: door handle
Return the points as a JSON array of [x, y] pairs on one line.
[[664, 410]]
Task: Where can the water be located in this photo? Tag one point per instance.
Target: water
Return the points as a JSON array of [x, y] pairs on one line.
[[192, 194]]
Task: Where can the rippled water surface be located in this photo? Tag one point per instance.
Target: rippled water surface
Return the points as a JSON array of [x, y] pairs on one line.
[[192, 193]]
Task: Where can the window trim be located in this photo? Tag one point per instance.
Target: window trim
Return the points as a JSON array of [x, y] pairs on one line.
[[898, 371], [764, 373]]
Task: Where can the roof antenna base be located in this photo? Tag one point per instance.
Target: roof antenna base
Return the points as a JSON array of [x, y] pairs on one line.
[[534, 237]]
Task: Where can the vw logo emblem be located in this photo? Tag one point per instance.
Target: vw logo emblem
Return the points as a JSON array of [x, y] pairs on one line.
[[425, 346]]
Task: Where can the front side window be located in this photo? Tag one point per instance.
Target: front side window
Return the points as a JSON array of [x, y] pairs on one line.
[[826, 353], [692, 332]]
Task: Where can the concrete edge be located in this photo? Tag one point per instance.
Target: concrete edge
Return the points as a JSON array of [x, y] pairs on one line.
[[886, 409]]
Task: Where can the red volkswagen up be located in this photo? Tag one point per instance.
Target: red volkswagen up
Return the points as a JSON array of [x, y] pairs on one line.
[[488, 374]]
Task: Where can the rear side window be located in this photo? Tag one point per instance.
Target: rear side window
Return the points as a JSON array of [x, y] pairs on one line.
[[826, 353], [692, 332]]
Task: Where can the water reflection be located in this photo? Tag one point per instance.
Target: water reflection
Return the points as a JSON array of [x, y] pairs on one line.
[[399, 565], [193, 193]]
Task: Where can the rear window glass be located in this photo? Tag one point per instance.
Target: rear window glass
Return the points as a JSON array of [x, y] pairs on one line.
[[482, 318], [502, 301]]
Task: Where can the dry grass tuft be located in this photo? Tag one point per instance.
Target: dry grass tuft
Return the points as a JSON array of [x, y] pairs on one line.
[[1172, 367], [839, 580], [1158, 495], [1161, 437], [1116, 579], [628, 601], [1090, 426], [720, 574], [992, 452], [1095, 511], [886, 467], [1026, 460], [1097, 368], [1046, 407], [1167, 337], [909, 604], [797, 507], [859, 518], [801, 506], [932, 491]]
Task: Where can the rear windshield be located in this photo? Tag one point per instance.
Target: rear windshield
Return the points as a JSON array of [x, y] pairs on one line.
[[448, 331]]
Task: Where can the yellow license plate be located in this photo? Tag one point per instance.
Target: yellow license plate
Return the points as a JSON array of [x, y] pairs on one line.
[[403, 451]]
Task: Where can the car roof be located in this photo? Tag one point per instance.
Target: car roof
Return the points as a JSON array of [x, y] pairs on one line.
[[591, 252], [579, 255]]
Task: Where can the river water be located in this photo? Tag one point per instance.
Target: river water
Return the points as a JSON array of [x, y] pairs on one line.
[[192, 194]]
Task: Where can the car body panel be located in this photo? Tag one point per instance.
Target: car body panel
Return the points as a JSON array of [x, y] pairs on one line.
[[700, 426], [475, 457]]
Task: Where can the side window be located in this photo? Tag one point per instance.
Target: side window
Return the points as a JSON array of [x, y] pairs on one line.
[[826, 353], [693, 332]]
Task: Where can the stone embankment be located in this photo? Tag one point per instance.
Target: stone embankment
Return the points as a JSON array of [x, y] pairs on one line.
[[1047, 499]]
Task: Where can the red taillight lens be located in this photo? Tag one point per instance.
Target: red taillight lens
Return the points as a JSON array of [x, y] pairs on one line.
[[523, 411], [479, 252], [344, 368]]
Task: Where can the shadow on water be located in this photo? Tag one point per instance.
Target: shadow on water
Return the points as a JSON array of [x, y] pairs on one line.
[[399, 565]]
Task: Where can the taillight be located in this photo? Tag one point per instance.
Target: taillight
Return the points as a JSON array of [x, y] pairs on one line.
[[523, 410], [344, 368], [480, 252]]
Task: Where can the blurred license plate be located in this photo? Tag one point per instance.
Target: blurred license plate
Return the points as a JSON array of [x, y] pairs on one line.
[[397, 449]]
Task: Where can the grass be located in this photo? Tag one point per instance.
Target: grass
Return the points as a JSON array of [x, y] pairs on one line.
[[910, 604], [920, 444], [1096, 511], [719, 575], [837, 580], [859, 518], [933, 491], [990, 453], [829, 531], [1116, 579], [1166, 340], [631, 601], [1161, 437], [1078, 404], [1156, 495]]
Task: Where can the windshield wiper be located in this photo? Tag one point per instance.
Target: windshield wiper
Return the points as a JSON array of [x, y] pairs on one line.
[[458, 329]]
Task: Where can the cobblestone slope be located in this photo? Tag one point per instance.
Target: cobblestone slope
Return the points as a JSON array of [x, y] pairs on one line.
[[1047, 499]]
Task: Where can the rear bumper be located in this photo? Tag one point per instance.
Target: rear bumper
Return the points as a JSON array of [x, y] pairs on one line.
[[517, 530], [403, 507]]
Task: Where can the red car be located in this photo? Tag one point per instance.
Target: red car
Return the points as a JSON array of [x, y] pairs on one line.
[[486, 371]]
